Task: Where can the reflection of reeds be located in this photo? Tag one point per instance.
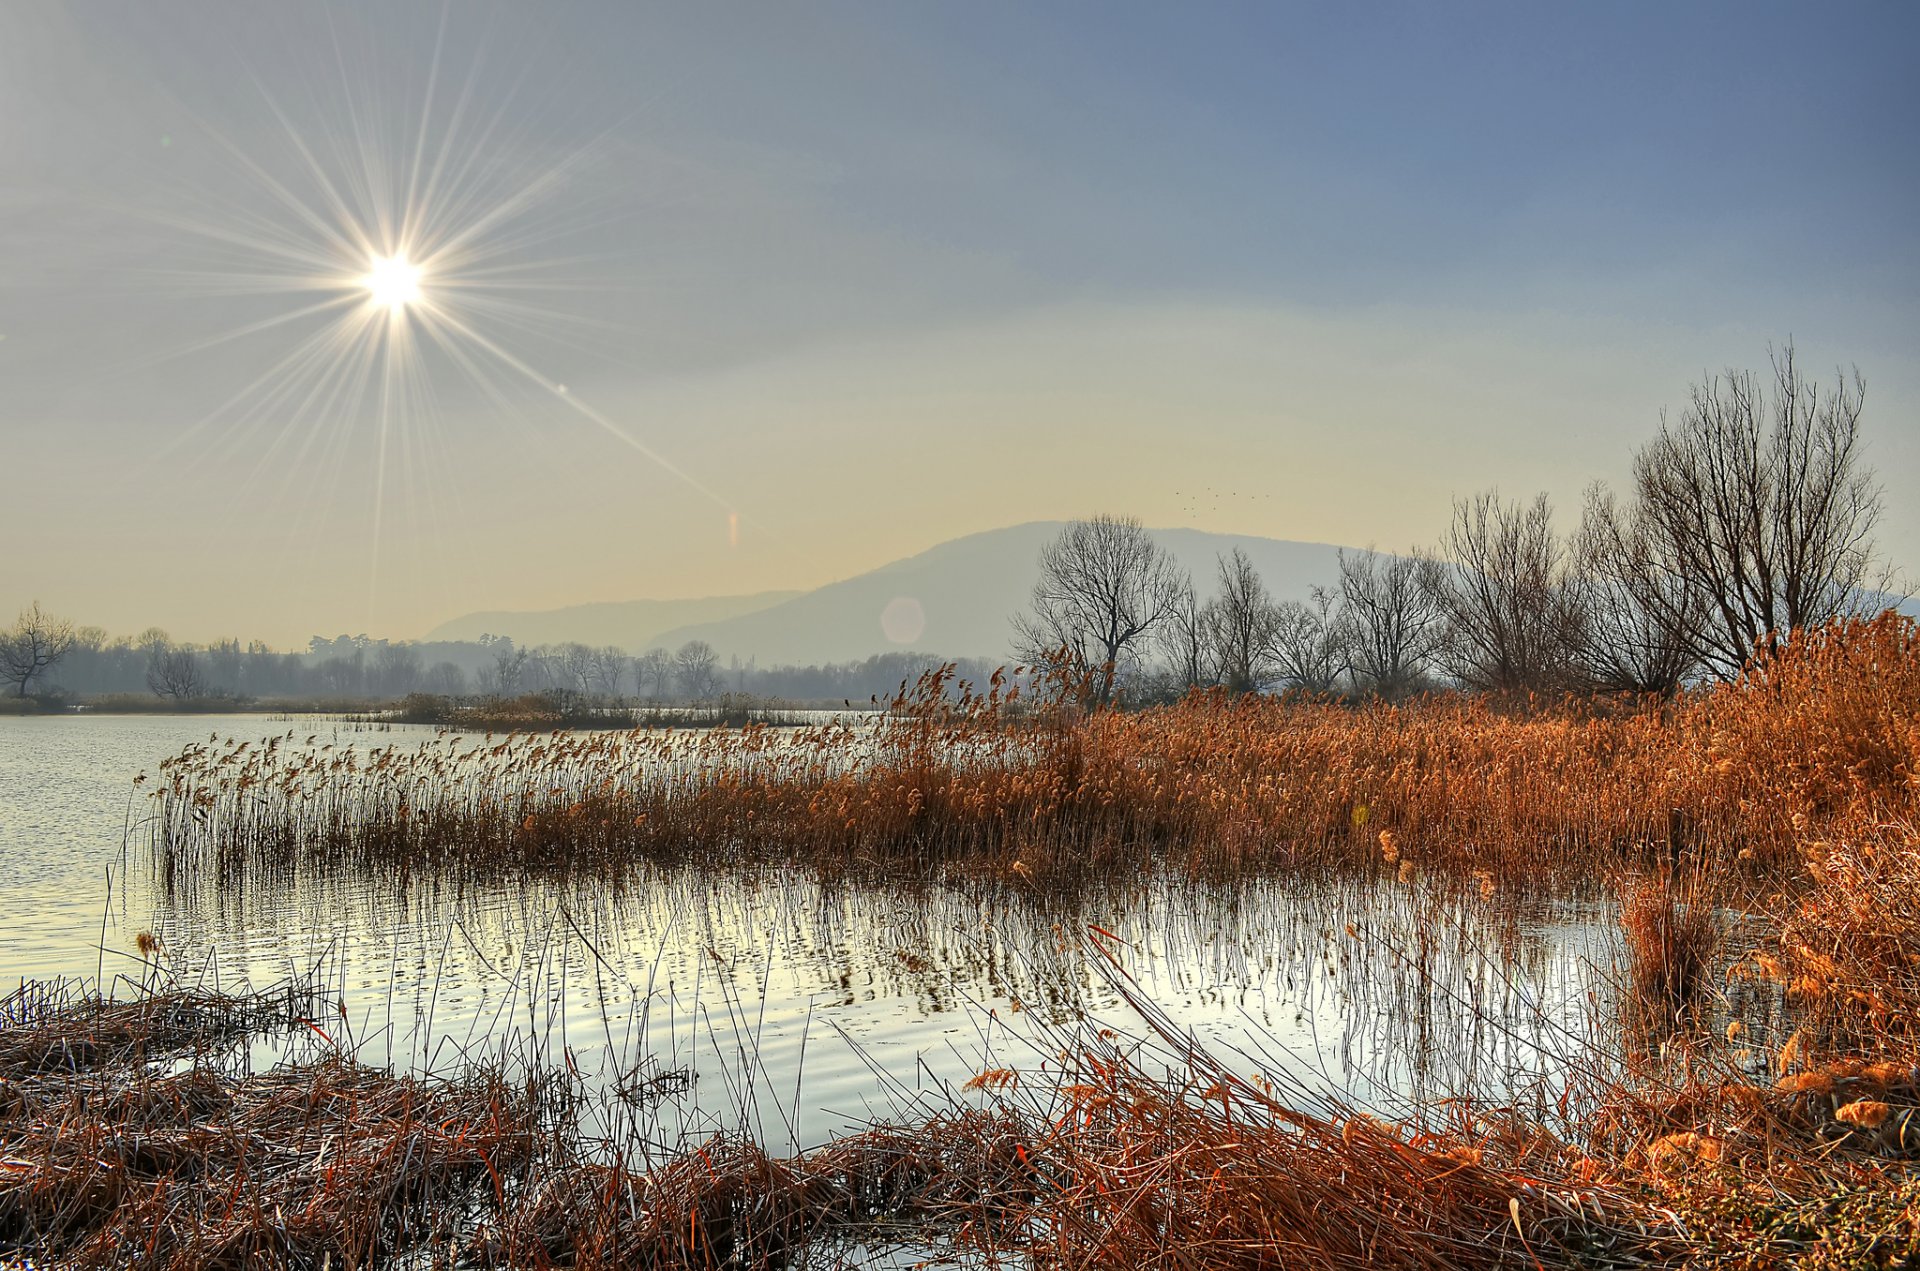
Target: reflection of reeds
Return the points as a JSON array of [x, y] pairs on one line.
[[1823, 732]]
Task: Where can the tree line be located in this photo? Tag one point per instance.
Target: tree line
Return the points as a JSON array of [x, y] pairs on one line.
[[48, 656], [1749, 515]]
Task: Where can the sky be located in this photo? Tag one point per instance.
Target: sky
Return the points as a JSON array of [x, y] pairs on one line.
[[739, 298]]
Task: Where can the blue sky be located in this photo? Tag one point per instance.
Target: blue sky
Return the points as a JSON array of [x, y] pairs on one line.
[[867, 277]]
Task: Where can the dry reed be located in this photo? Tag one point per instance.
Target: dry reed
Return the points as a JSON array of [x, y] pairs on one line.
[[1820, 739], [1792, 788]]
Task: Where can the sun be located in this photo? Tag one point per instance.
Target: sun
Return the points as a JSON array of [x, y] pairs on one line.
[[393, 283]]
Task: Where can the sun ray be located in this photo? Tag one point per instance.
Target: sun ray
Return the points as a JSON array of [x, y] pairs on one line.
[[409, 252]]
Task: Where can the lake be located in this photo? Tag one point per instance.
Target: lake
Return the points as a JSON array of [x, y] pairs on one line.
[[793, 1007]]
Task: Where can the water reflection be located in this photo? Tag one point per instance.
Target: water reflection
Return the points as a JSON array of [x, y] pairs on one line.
[[805, 1007], [802, 1007]]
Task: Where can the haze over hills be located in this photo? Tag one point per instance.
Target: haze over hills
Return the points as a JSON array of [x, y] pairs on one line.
[[634, 625], [955, 599]]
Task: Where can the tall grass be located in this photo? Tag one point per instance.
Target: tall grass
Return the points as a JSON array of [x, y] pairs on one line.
[[1670, 954], [1792, 792], [1821, 739]]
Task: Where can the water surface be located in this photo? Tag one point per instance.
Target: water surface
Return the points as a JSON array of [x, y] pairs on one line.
[[797, 1007]]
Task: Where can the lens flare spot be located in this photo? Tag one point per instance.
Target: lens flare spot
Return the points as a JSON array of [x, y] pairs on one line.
[[393, 282], [903, 621]]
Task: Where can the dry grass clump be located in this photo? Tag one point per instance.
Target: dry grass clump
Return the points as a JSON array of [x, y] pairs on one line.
[[328, 1163], [1847, 950], [1215, 1171], [1670, 947], [131, 1134], [728, 1203], [1812, 1170], [51, 1027], [150, 1143], [1091, 1160]]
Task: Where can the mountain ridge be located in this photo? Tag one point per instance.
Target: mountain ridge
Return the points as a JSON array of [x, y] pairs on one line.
[[956, 598], [630, 624]]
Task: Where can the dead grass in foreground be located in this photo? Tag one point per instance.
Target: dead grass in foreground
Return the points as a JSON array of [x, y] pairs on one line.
[[130, 1135]]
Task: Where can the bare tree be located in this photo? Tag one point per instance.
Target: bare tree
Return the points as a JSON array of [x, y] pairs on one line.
[[1104, 587], [173, 671], [1393, 627], [397, 668], [502, 679], [1638, 618], [578, 667], [654, 667], [34, 647], [697, 667], [1240, 625], [1758, 497], [1504, 591], [445, 679], [1182, 641], [610, 663], [1309, 641]]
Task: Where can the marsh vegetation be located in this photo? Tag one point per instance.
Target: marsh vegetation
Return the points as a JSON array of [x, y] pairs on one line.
[[1558, 910], [1738, 1085]]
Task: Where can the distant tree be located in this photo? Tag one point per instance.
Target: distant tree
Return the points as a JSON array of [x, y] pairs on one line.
[[1758, 500], [1392, 625], [344, 675], [1309, 642], [397, 669], [1240, 623], [1104, 587], [445, 679], [174, 671], [222, 660], [35, 645], [1182, 642], [1504, 590], [697, 667], [655, 668], [578, 667], [610, 663], [502, 678]]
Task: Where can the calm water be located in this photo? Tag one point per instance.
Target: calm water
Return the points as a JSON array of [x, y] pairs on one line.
[[795, 1008]]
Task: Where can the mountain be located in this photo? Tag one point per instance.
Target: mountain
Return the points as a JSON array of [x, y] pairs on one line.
[[957, 599], [634, 625]]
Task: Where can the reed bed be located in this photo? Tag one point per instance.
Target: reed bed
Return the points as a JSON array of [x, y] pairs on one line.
[[1792, 792], [1090, 1164], [1822, 739], [1110, 1153]]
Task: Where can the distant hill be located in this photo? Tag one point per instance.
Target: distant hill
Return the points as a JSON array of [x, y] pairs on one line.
[[957, 599], [634, 625]]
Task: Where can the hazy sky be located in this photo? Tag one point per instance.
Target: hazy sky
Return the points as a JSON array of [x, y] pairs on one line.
[[827, 284]]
